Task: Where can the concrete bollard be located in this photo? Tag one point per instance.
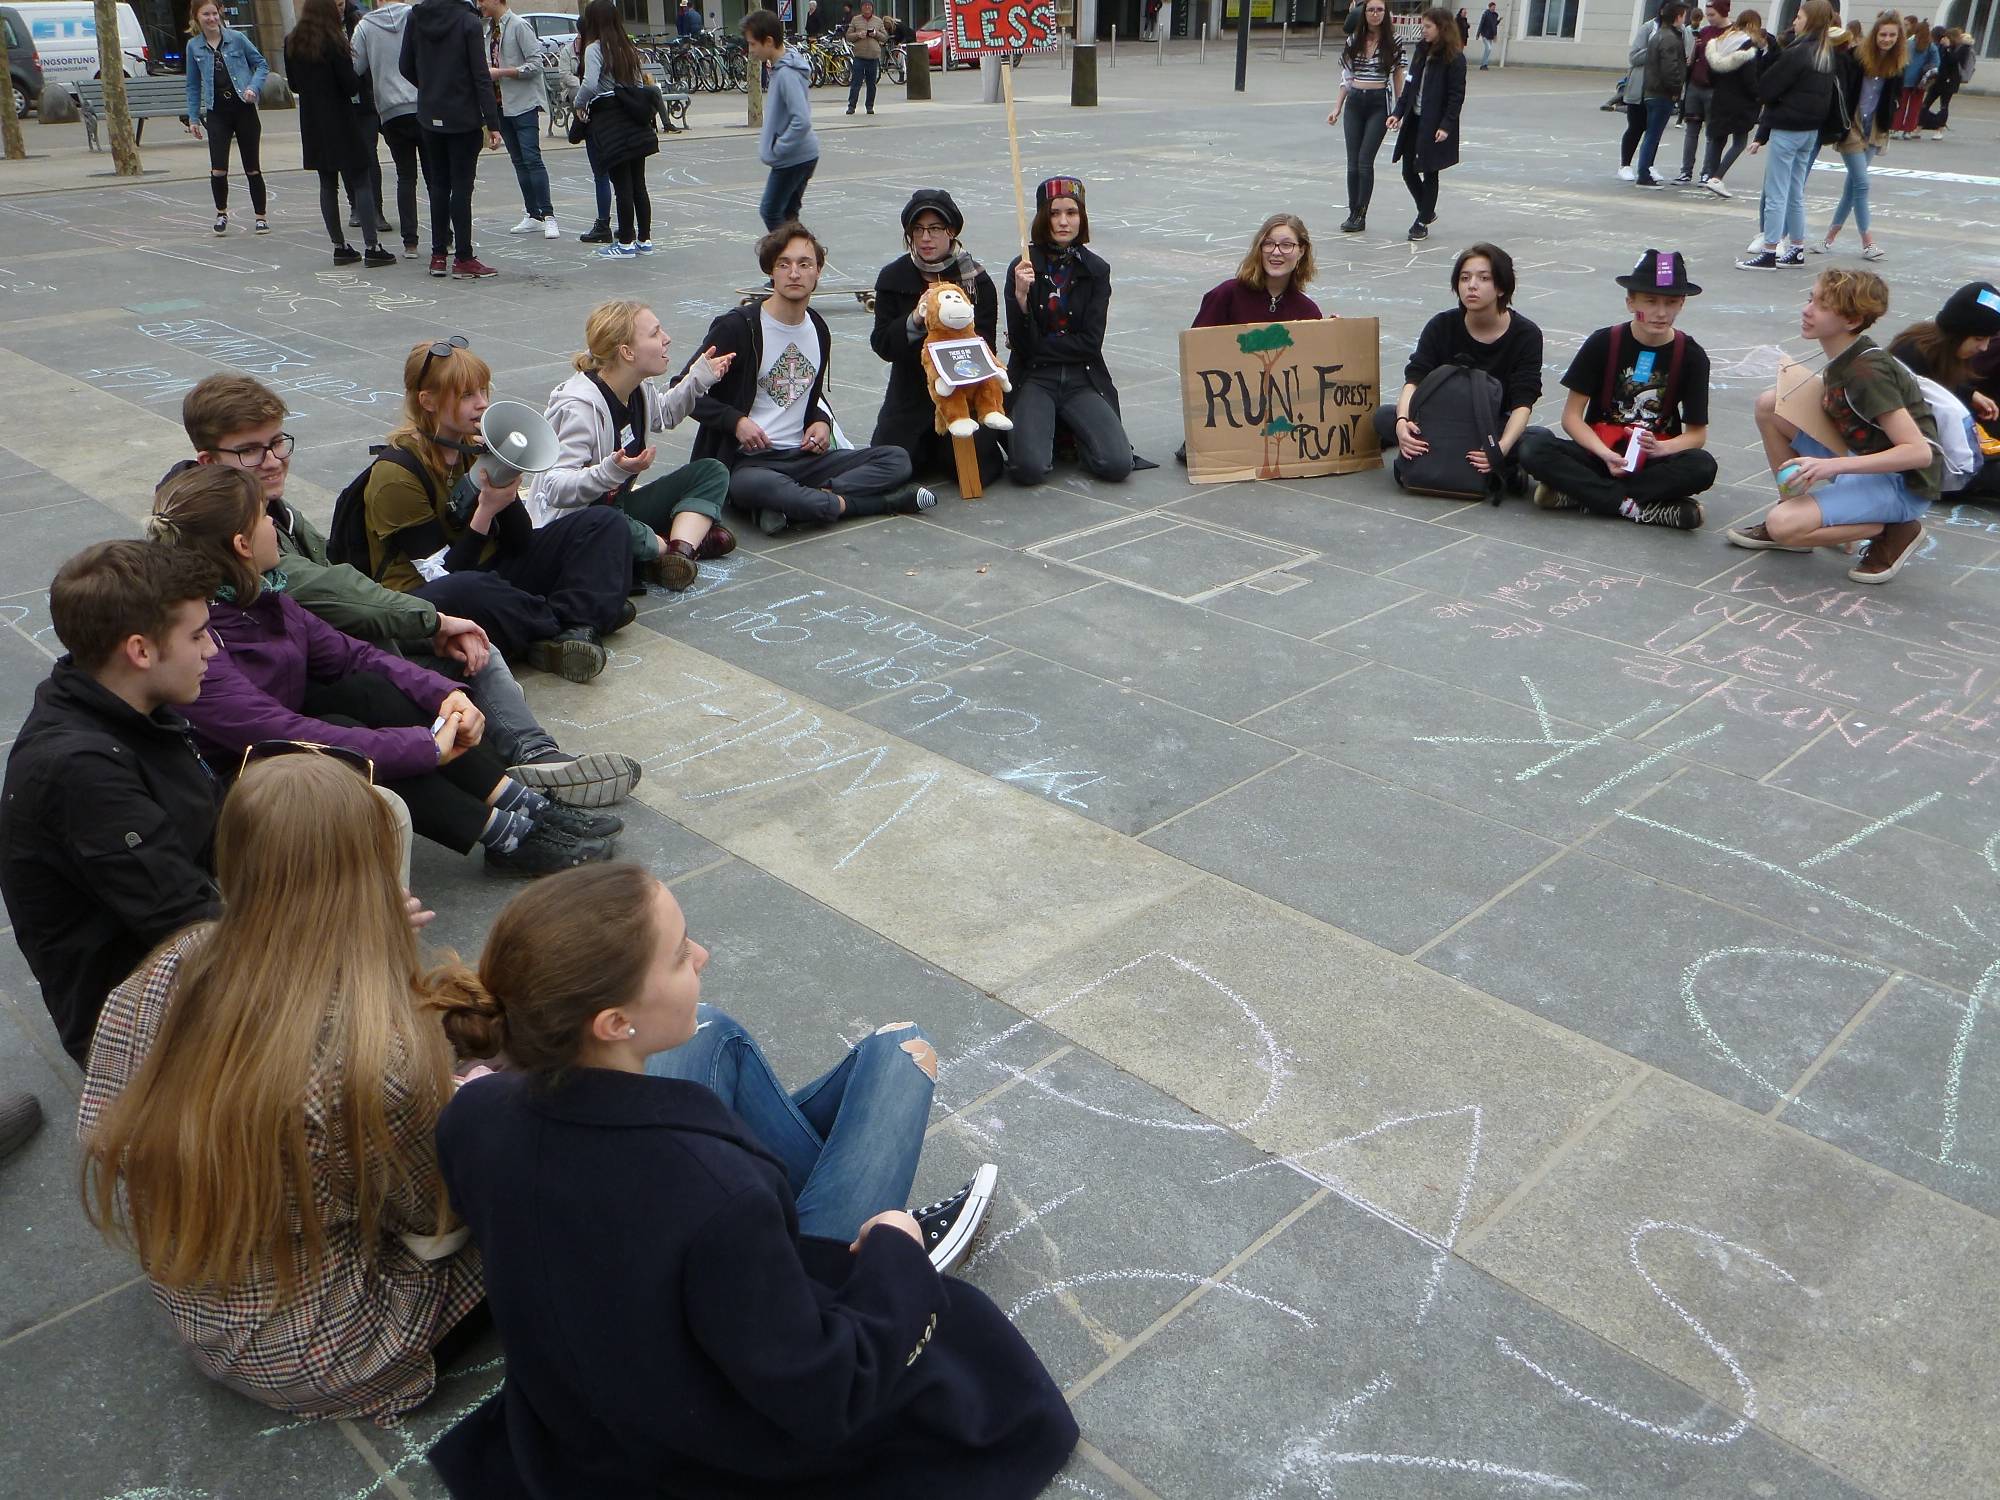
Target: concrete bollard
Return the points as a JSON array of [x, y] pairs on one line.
[[917, 70], [1083, 74]]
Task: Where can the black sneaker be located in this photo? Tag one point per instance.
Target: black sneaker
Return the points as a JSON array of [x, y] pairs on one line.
[[1764, 260], [1791, 260], [1353, 224], [375, 257], [598, 234], [950, 1224], [627, 613], [771, 522], [1650, 182], [1686, 179], [346, 255], [1676, 515], [1419, 231], [575, 654], [597, 779], [546, 852], [576, 825]]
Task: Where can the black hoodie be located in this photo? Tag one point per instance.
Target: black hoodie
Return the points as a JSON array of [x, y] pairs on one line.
[[444, 56]]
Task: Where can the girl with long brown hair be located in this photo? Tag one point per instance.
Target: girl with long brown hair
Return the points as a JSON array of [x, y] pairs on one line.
[[618, 107], [1425, 117], [257, 1116], [334, 131], [1869, 76], [1797, 91], [437, 529], [1371, 79]]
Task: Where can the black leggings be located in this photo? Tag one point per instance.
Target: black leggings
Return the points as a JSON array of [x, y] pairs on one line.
[[240, 123], [1423, 188], [1719, 161], [451, 162], [402, 136], [1365, 119], [628, 185], [358, 193], [1635, 131], [447, 805]]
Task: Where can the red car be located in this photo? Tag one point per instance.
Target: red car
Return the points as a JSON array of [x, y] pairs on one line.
[[931, 34]]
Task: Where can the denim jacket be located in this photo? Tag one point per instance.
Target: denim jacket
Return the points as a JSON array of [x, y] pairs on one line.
[[247, 69]]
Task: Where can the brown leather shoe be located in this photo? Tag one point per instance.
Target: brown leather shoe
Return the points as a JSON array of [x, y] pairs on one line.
[[719, 542], [675, 568], [1888, 552]]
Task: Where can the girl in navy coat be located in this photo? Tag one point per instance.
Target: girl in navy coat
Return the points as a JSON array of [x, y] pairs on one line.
[[1426, 117], [704, 1286]]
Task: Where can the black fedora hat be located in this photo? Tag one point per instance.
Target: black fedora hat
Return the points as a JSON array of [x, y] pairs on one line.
[[1663, 272]]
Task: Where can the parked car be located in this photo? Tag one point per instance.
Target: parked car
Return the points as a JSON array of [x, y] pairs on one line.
[[64, 33], [24, 64], [931, 34], [552, 26]]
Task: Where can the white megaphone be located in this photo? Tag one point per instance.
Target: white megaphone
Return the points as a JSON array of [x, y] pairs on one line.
[[518, 441]]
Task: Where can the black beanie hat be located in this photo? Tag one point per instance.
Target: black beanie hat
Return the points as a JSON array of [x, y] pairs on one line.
[[1971, 312], [937, 201]]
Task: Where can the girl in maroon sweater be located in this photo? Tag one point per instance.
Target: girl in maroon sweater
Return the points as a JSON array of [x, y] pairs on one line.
[[1270, 285]]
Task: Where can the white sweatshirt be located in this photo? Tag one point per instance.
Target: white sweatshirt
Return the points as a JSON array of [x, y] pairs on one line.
[[586, 467]]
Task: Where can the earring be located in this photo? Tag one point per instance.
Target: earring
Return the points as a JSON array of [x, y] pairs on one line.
[[631, 1031]]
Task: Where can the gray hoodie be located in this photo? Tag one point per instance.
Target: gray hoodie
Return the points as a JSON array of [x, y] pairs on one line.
[[378, 51], [788, 137]]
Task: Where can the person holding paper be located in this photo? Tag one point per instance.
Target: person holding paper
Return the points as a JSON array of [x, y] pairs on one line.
[[1636, 418], [1893, 469]]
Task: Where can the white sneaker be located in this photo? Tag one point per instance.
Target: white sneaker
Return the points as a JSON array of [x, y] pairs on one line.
[[1717, 186], [1628, 174], [528, 225], [1937, 135], [549, 229]]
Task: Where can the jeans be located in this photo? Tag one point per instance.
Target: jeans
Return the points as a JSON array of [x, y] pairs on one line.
[[1563, 466], [1062, 395], [868, 70], [245, 126], [849, 1140], [785, 193], [451, 162], [1788, 160], [601, 183], [1694, 110], [635, 204], [1718, 160], [574, 573], [801, 486], [512, 730], [1485, 50], [1854, 193], [403, 138], [1658, 113], [522, 135], [1365, 119], [358, 194]]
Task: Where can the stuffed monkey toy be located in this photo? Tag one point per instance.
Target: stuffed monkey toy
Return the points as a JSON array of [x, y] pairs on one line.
[[961, 409]]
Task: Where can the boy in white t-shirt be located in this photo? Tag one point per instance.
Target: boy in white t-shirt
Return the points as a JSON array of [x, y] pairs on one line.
[[767, 419]]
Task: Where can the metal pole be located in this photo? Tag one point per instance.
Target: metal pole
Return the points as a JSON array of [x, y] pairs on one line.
[[1242, 43], [1284, 40], [1114, 46], [1203, 57], [1322, 40]]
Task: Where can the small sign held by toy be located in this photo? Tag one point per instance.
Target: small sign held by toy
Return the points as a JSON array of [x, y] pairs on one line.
[[1001, 28], [962, 362]]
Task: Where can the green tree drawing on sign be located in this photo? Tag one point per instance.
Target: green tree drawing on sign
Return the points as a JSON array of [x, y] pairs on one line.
[[1268, 344]]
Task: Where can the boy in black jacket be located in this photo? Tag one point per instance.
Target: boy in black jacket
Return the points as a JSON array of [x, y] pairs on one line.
[[107, 824], [768, 420], [1637, 413]]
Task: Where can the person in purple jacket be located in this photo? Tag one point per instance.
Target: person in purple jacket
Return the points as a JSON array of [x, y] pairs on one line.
[[283, 675]]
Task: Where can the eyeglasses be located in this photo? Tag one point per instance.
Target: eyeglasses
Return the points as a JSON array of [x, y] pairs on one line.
[[252, 455], [272, 749], [1283, 246], [440, 350]]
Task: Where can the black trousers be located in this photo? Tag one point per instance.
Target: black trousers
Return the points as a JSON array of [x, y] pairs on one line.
[[403, 138], [930, 451], [451, 162], [1062, 396], [242, 124], [635, 204], [1937, 106], [1635, 131], [574, 573], [448, 805], [1719, 160], [1423, 188], [1561, 465], [358, 193], [1364, 120]]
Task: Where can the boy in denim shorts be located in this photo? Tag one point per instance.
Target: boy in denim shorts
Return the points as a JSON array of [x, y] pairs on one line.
[[1880, 488]]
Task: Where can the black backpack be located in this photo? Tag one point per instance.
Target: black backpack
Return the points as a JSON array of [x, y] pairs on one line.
[[347, 537], [1456, 409]]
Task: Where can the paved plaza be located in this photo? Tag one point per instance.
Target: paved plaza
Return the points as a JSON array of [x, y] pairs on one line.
[[1465, 1001]]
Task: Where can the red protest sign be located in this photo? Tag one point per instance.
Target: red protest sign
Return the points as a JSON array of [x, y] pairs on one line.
[[997, 27]]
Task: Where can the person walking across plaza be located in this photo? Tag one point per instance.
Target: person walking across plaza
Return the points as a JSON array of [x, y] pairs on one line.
[[1735, 60], [787, 145], [225, 74], [866, 35], [444, 56], [1633, 97], [1956, 59], [1666, 75], [377, 49], [1893, 469], [514, 58], [1371, 80], [1797, 90], [1699, 91], [1489, 32], [1869, 76], [1426, 115], [333, 127]]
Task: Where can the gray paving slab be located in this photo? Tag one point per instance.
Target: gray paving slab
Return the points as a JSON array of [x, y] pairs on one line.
[[38, 541], [1354, 536], [1680, 556], [927, 568], [1309, 598], [34, 490], [1115, 755], [1337, 845], [1014, 517], [1203, 661]]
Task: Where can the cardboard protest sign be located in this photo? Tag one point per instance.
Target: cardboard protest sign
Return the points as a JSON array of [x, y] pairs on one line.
[[1281, 400], [977, 28], [960, 362], [1800, 392]]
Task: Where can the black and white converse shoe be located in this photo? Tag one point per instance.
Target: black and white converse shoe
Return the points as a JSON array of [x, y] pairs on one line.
[[950, 1224]]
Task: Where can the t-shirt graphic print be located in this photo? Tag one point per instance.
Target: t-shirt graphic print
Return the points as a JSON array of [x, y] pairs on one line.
[[790, 365]]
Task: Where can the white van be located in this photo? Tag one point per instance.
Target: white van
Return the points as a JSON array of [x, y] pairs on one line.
[[65, 33]]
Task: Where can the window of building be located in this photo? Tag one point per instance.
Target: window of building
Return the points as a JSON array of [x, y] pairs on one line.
[[1552, 17]]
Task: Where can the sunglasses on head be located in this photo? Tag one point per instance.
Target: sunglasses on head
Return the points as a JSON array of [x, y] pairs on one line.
[[272, 749], [440, 350]]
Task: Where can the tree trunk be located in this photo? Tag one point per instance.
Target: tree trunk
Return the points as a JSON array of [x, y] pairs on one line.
[[10, 126], [111, 68]]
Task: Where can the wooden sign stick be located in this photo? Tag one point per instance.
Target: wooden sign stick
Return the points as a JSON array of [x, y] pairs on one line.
[[1014, 152]]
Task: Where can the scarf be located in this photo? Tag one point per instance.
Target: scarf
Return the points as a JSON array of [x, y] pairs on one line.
[[956, 265], [275, 582], [1061, 261]]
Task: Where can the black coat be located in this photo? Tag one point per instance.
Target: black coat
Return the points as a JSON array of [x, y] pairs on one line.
[[1795, 93], [107, 831], [444, 56], [740, 332], [1733, 104], [907, 411], [621, 125], [668, 1334], [1030, 348], [333, 121], [1432, 98], [1847, 77]]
